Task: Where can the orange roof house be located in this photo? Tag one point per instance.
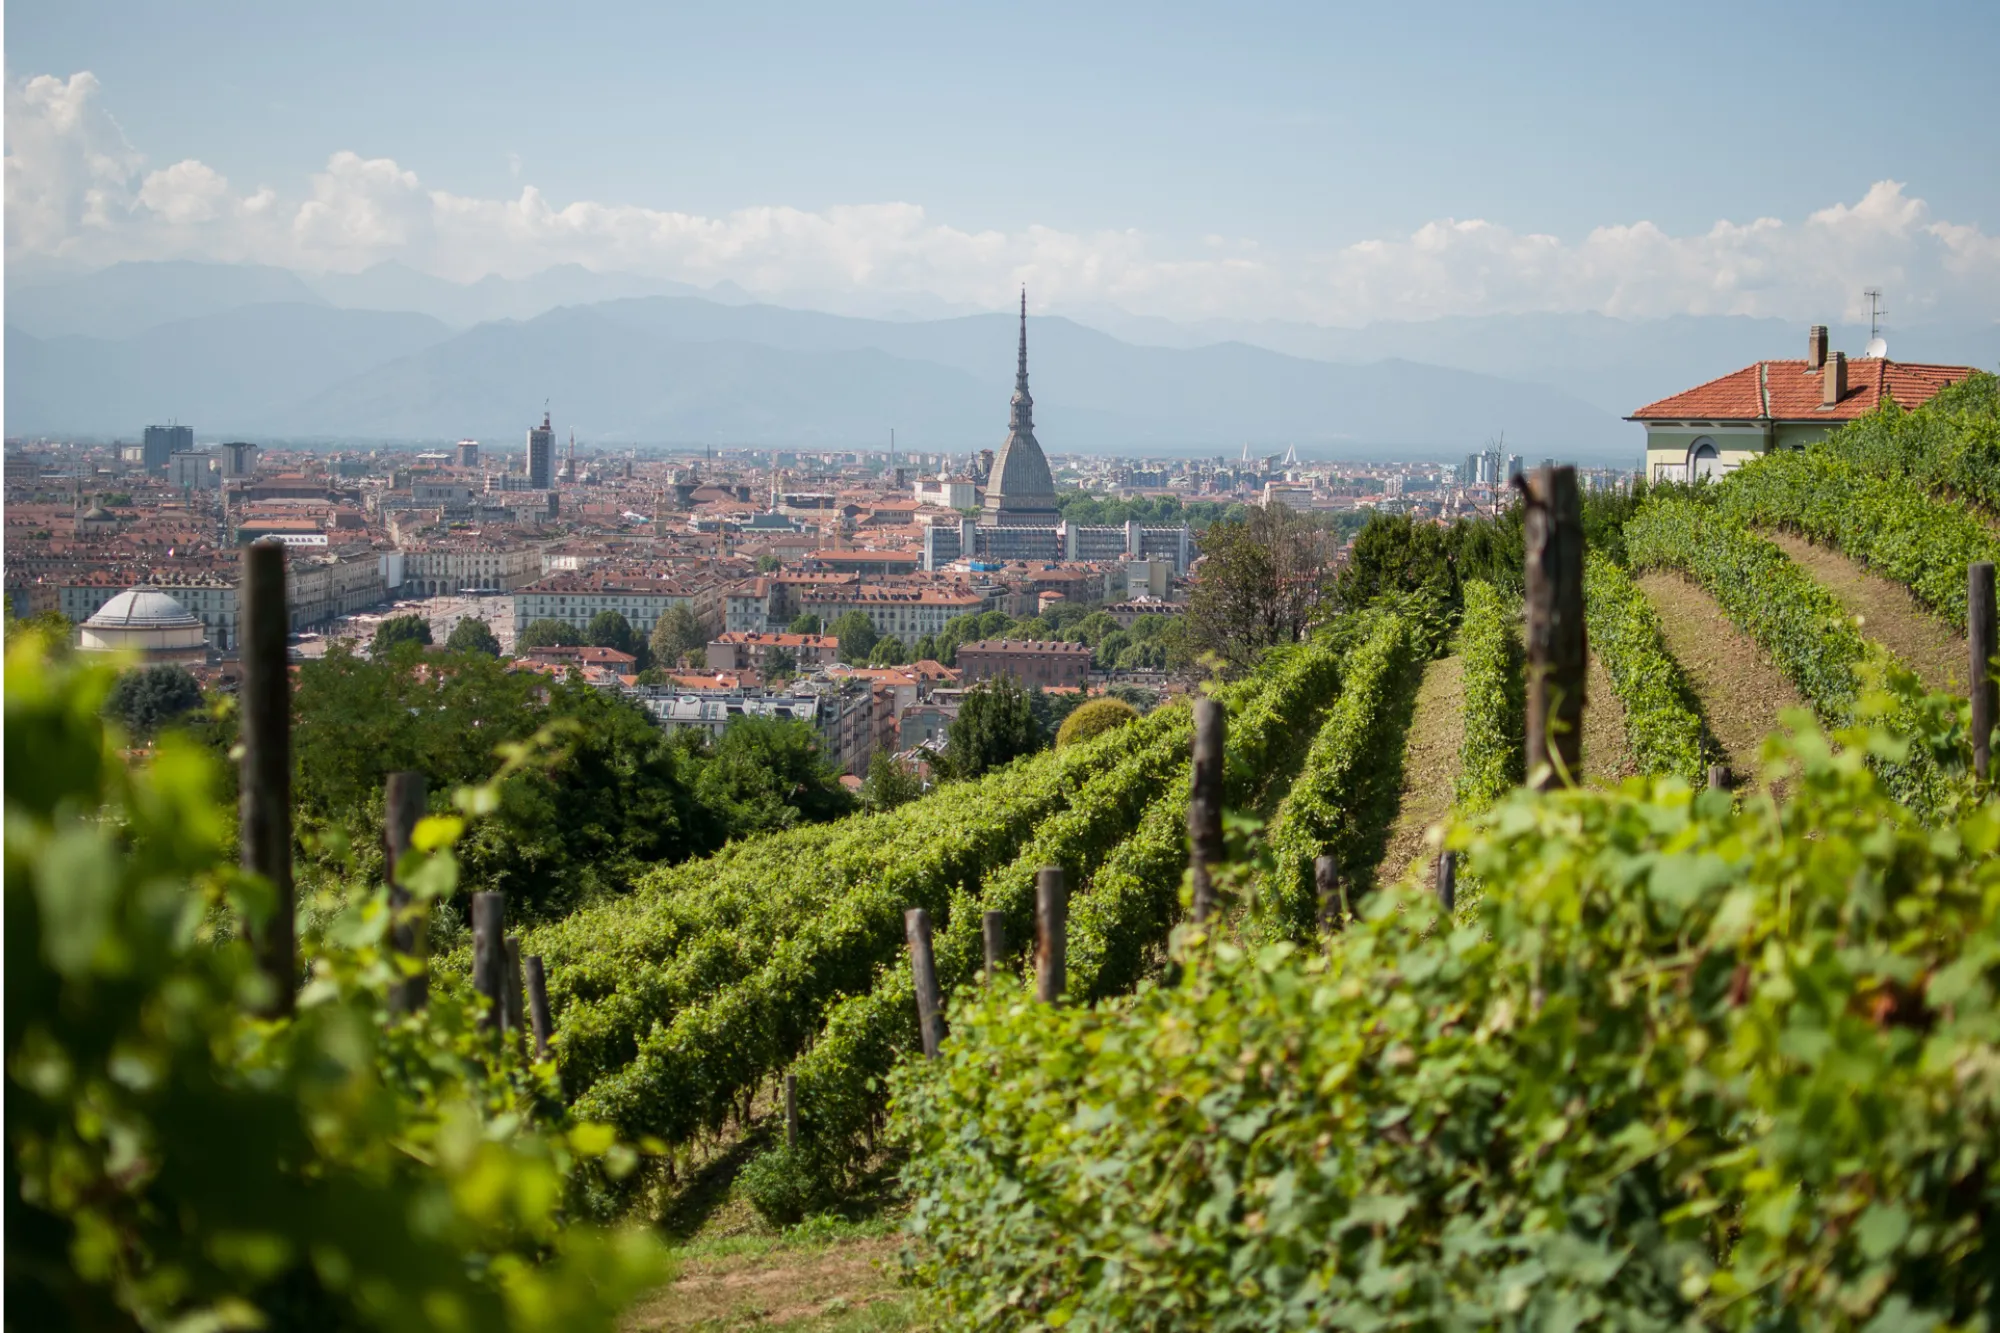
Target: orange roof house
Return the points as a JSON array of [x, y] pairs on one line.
[[1715, 428]]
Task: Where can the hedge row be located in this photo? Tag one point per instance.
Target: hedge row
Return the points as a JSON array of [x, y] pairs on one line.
[[1345, 797], [1494, 749], [1888, 522], [671, 1049], [1694, 1067], [1664, 731], [1950, 445], [838, 1080], [1791, 617]]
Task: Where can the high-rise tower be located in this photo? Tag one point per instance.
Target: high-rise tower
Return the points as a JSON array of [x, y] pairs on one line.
[[1019, 490], [541, 455]]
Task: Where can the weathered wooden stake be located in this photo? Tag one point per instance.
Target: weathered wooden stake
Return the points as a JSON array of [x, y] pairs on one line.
[[489, 957], [1983, 638], [923, 968], [1720, 778], [265, 807], [1447, 880], [791, 1110], [1051, 933], [1326, 878], [1205, 803], [404, 801], [516, 1017], [1553, 530], [993, 932], [538, 1004]]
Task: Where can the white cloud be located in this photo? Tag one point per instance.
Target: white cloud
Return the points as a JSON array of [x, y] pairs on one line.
[[77, 192]]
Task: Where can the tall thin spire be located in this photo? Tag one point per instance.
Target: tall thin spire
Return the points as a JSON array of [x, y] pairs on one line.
[[1021, 415]]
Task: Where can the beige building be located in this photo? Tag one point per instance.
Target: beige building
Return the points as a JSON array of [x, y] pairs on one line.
[[1717, 427]]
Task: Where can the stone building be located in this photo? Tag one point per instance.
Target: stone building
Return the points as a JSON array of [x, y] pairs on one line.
[[1029, 661]]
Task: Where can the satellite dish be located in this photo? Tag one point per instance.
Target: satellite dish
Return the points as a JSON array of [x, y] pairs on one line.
[[1877, 349]]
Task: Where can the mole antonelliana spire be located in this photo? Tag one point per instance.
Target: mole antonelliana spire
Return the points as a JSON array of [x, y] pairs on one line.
[[1019, 490]]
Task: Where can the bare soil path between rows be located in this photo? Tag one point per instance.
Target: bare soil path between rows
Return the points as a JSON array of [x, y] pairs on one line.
[[1889, 613], [1604, 759], [1430, 764], [1742, 691]]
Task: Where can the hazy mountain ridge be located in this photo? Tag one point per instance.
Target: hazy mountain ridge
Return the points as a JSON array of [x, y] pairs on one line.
[[680, 370]]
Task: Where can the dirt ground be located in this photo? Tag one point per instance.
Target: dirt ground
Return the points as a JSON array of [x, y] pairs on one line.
[[1430, 764], [844, 1283], [1604, 758], [1889, 613], [1741, 690]]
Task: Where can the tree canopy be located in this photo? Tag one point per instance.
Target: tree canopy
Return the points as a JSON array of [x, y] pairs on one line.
[[857, 636], [677, 636], [150, 697], [547, 633], [473, 635], [1260, 582], [995, 725], [396, 631]]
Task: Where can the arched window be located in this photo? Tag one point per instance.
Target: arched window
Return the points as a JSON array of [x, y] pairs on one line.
[[1704, 459]]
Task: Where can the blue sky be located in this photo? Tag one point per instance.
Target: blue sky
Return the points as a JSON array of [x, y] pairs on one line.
[[1267, 137]]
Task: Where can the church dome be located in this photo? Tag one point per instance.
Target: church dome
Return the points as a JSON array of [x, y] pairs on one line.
[[143, 608]]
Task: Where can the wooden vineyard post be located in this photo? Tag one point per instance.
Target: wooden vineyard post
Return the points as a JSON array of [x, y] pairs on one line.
[[1051, 934], [1447, 880], [264, 809], [1983, 639], [791, 1110], [489, 957], [993, 934], [538, 1004], [1205, 804], [1326, 879], [1553, 530], [404, 800], [923, 968], [1720, 778], [515, 1006]]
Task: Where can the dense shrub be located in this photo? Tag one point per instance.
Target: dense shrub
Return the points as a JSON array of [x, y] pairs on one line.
[[1489, 645], [1664, 731], [1686, 1066], [1093, 719]]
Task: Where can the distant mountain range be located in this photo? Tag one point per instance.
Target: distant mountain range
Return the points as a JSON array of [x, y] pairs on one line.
[[393, 354]]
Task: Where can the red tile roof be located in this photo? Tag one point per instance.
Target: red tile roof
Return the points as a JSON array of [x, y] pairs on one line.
[[1787, 391]]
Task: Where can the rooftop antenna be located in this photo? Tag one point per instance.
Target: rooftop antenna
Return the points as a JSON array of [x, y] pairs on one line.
[[1878, 347]]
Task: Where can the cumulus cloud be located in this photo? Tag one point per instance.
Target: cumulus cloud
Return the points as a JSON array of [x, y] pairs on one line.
[[78, 192]]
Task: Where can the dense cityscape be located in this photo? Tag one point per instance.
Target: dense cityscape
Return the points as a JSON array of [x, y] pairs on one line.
[[765, 550]]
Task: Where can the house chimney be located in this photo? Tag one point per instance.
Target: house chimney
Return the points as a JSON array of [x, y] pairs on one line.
[[1816, 347], [1836, 380]]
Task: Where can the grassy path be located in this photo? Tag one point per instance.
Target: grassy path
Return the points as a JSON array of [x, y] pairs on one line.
[[841, 1281], [1430, 764], [1889, 614], [1604, 757], [1741, 690]]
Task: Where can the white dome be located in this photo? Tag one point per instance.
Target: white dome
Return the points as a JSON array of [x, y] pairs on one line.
[[143, 608]]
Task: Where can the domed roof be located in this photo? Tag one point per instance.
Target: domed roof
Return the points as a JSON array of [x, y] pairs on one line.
[[143, 608]]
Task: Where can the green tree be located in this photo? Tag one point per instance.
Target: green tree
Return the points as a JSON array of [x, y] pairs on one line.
[[610, 629], [769, 564], [548, 633], [888, 784], [779, 665], [857, 636], [995, 725], [53, 628], [924, 649], [396, 631], [677, 636], [473, 635], [804, 623], [1260, 583], [888, 652], [150, 697], [768, 773]]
